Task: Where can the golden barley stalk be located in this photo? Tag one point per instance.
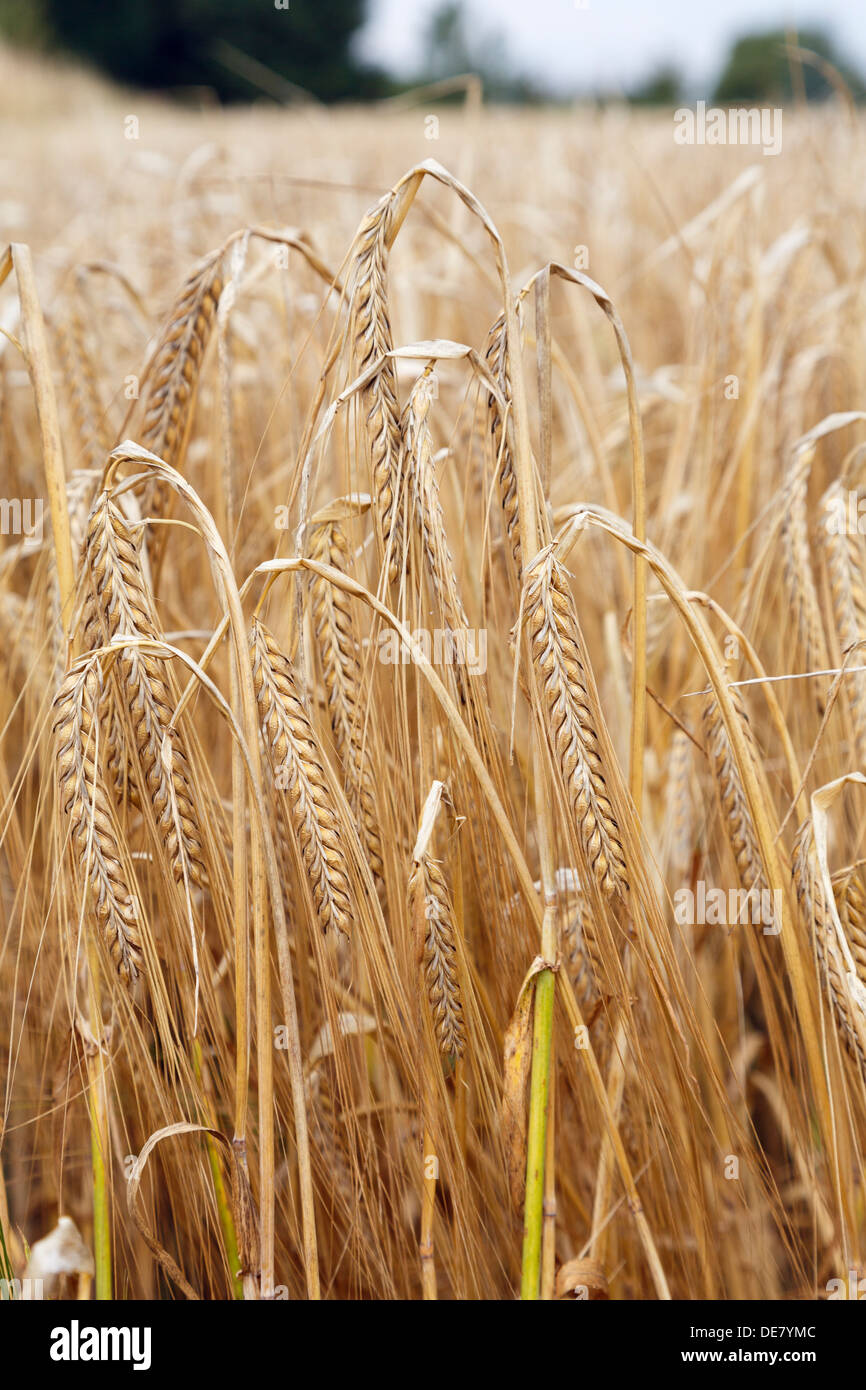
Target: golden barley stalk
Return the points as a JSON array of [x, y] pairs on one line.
[[428, 896], [297, 766], [370, 330], [338, 650], [123, 608], [84, 800], [572, 712], [849, 1016]]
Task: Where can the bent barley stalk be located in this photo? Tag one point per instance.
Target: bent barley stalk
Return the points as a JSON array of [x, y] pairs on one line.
[[297, 767], [84, 801]]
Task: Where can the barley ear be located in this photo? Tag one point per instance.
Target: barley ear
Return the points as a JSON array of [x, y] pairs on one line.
[[296, 762], [85, 802], [571, 711]]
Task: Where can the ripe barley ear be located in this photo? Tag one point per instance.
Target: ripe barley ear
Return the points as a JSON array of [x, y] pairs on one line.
[[338, 652], [121, 606], [430, 903], [85, 802], [572, 713], [296, 762], [847, 1011]]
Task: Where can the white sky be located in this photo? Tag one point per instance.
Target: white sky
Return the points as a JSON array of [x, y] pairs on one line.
[[612, 43]]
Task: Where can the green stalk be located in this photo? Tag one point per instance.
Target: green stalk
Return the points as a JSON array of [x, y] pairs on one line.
[[227, 1225], [539, 1089], [532, 535]]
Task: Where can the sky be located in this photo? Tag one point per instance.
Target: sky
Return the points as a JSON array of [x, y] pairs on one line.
[[583, 45]]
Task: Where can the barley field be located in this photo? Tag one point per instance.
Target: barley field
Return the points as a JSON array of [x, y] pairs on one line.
[[432, 702]]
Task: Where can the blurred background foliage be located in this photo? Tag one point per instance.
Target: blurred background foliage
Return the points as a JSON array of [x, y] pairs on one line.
[[244, 50]]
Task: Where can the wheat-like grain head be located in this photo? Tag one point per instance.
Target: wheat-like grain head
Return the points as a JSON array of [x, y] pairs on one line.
[[736, 816], [85, 802], [572, 714], [797, 566], [338, 650], [173, 379], [296, 762], [846, 573], [370, 328], [121, 606], [430, 900], [847, 1012], [422, 488], [497, 360]]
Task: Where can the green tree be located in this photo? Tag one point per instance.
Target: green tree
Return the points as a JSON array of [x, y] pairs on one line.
[[759, 68], [661, 88], [450, 49], [239, 48]]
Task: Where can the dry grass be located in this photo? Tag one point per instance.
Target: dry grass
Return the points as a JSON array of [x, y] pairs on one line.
[[230, 679]]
